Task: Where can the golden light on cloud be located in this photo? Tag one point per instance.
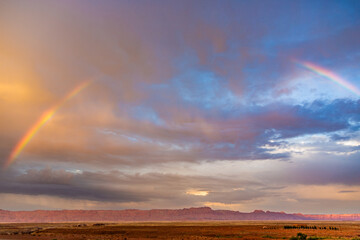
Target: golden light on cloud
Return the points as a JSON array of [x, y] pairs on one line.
[[44, 118], [19, 85], [229, 206], [197, 192], [12, 92]]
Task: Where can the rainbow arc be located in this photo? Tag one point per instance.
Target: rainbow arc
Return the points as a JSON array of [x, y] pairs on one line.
[[44, 118], [329, 75]]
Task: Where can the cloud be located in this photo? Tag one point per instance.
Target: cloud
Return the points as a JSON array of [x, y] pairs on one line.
[[251, 133], [346, 191], [115, 186], [177, 84]]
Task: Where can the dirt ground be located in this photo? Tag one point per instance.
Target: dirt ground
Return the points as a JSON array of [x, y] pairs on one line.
[[181, 230]]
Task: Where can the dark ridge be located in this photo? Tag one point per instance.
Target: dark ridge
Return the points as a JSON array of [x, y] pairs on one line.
[[186, 214]]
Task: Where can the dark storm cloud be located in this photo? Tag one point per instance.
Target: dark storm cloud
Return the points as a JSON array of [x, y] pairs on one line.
[[116, 186], [67, 185]]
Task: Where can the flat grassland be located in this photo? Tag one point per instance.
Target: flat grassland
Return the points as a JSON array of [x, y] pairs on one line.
[[181, 230]]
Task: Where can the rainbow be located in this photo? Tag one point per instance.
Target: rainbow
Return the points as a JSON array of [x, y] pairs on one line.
[[44, 118], [329, 75]]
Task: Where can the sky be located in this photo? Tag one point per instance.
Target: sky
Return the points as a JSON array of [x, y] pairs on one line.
[[237, 105]]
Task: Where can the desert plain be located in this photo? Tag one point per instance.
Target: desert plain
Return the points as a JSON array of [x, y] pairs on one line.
[[182, 230]]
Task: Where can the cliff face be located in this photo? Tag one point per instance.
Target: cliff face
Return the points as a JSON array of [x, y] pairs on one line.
[[186, 214]]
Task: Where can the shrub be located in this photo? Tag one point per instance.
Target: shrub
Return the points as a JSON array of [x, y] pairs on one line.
[[299, 236]]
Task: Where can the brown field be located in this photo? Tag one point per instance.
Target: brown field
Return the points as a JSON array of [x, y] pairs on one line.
[[179, 230]]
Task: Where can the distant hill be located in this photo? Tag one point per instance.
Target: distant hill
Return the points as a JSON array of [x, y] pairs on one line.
[[186, 214]]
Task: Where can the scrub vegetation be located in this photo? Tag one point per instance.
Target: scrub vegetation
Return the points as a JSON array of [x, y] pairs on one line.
[[254, 230]]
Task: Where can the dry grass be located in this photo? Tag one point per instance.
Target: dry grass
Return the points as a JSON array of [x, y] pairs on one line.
[[179, 230]]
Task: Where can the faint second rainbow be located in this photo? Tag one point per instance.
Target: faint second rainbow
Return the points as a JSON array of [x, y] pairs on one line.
[[329, 75], [44, 118]]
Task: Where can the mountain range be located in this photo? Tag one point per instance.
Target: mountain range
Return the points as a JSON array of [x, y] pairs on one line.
[[186, 214]]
